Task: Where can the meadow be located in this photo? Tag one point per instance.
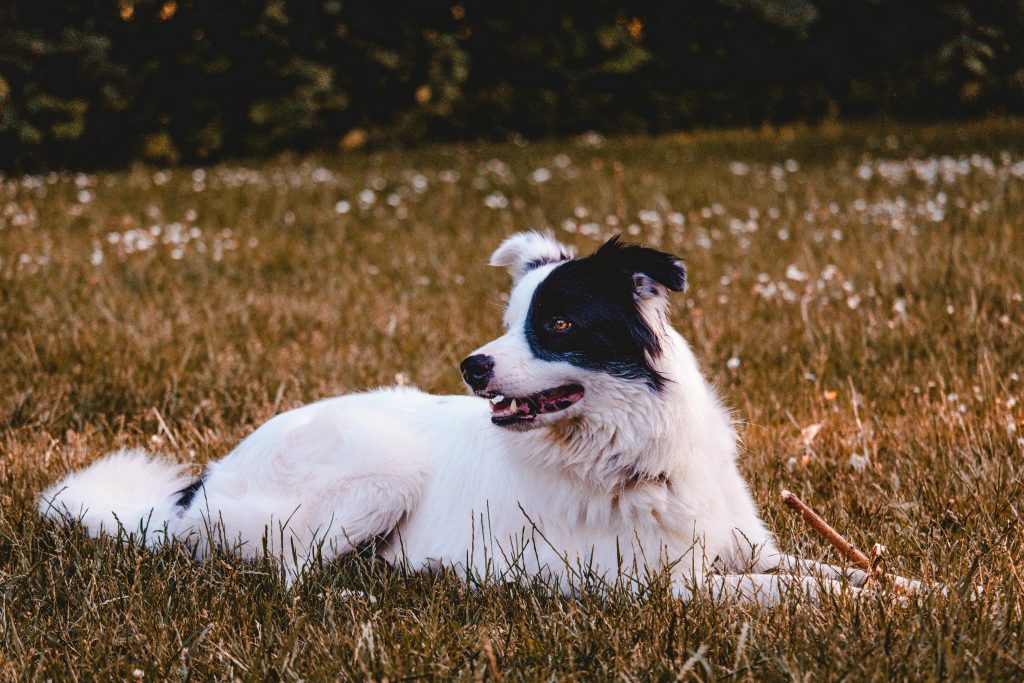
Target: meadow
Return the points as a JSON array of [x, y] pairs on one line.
[[857, 295]]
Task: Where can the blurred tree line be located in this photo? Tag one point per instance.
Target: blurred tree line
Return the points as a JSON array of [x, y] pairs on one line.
[[102, 82]]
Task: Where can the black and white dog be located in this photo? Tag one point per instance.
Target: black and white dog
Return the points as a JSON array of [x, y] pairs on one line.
[[592, 443]]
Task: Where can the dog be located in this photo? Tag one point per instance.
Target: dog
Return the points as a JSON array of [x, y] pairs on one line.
[[591, 450]]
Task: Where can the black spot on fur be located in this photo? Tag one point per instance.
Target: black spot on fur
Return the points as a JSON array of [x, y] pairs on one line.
[[186, 495], [597, 295]]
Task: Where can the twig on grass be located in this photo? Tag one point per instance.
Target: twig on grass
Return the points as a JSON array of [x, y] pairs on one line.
[[492, 661], [822, 527]]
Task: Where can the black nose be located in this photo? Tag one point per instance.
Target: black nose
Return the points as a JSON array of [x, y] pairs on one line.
[[477, 371]]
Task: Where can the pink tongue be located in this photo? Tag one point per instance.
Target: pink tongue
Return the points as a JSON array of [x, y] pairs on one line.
[[522, 407], [558, 399], [550, 401]]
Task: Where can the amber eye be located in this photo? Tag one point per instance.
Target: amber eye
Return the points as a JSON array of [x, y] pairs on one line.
[[560, 324]]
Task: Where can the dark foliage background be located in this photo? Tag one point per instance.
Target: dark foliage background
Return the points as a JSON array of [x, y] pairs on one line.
[[101, 82]]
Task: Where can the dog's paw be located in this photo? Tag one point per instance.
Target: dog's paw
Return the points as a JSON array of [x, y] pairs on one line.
[[912, 586], [877, 592], [898, 589]]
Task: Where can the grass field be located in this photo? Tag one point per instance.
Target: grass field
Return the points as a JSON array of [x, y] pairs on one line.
[[856, 295]]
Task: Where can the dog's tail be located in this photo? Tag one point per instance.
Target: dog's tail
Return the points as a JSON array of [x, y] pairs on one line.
[[129, 489]]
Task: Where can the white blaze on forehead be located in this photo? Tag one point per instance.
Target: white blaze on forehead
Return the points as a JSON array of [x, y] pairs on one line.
[[522, 294]]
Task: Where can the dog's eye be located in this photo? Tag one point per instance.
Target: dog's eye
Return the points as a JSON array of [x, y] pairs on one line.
[[559, 324]]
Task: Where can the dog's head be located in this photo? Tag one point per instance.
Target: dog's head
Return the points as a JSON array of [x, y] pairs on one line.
[[576, 328]]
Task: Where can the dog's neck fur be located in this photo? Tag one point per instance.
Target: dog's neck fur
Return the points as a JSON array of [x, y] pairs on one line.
[[630, 437]]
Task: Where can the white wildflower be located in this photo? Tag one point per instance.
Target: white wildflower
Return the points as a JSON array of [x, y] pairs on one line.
[[794, 273], [540, 175], [859, 462]]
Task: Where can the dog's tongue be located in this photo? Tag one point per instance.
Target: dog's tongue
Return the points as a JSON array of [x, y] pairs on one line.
[[515, 406], [559, 398], [550, 401]]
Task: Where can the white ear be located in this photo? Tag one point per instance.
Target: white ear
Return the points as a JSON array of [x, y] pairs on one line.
[[524, 251]]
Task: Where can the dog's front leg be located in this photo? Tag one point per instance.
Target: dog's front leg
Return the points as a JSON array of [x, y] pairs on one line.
[[764, 589], [857, 577], [789, 563]]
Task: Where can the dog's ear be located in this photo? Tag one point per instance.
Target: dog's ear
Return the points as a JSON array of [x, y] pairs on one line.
[[651, 269], [524, 251]]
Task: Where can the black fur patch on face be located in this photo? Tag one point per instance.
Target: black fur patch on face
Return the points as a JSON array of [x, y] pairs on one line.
[[596, 296]]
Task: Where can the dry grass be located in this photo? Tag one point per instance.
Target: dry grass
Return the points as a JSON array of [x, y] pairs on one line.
[[890, 316]]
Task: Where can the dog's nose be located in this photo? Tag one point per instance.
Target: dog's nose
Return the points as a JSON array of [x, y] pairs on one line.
[[477, 371]]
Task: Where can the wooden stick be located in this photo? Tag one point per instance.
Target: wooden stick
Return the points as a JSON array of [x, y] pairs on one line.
[[831, 535]]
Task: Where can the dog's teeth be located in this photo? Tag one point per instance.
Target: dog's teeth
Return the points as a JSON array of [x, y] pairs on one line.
[[512, 406], [497, 399]]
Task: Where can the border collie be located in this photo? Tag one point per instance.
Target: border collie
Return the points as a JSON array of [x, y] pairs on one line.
[[592, 448]]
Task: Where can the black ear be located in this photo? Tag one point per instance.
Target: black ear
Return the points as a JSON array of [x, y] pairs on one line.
[[665, 269]]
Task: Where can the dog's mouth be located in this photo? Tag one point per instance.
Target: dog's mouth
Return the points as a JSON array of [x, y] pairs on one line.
[[518, 410]]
